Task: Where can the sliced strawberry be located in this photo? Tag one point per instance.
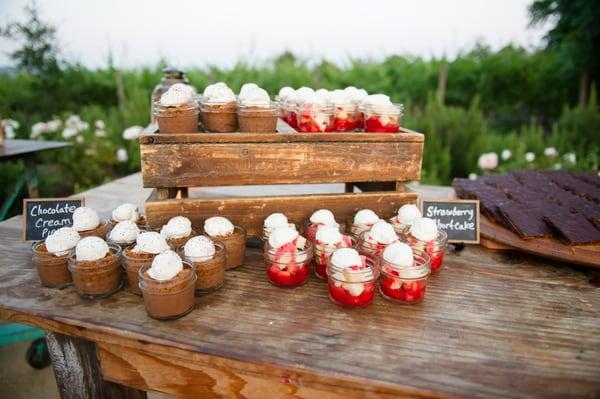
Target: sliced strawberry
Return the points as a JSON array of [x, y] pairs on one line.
[[373, 125], [346, 241], [342, 297], [407, 291]]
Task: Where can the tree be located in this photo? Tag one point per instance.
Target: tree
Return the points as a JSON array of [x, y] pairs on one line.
[[576, 36]]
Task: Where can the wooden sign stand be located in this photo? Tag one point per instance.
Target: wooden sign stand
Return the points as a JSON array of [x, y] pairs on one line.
[[378, 164]]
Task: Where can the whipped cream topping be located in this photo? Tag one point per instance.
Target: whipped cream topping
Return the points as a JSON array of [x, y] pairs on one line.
[[346, 257], [323, 93], [199, 249], [286, 93], [178, 94], [323, 216], [246, 89], [379, 103], [218, 93], [61, 241], [357, 96], [339, 97], [349, 277], [407, 214], [85, 218], [177, 227], [320, 99], [165, 266], [329, 235], [89, 249], [124, 232], [150, 242], [424, 229], [275, 220], [218, 226], [256, 98], [366, 217], [281, 236], [399, 254], [382, 232], [126, 211], [304, 92]]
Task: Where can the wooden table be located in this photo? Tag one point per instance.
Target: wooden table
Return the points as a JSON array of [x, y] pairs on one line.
[[493, 324], [12, 150]]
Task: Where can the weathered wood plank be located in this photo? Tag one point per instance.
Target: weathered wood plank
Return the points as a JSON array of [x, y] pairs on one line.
[[77, 370], [250, 212], [189, 165]]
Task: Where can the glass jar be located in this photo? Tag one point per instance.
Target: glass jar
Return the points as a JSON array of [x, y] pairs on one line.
[[177, 119], [369, 248], [171, 76], [310, 230], [356, 229], [99, 231], [405, 284], [344, 118], [288, 269], [383, 120], [352, 288], [132, 263], [210, 273], [400, 228], [219, 117], [253, 119], [172, 299], [323, 252], [235, 245], [314, 118], [266, 231], [99, 278], [53, 270], [435, 248], [290, 114]]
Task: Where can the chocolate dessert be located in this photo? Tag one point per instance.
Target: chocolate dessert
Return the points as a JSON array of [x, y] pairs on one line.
[[132, 263], [257, 119], [211, 272], [53, 270], [235, 245], [175, 243], [165, 300], [97, 279], [219, 118], [179, 119], [99, 231]]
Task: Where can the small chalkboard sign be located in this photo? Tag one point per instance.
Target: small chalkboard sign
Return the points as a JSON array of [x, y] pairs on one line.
[[41, 216], [458, 218]]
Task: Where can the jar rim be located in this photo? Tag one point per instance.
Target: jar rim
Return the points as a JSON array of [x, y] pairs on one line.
[[308, 250], [218, 238], [441, 238], [421, 262], [372, 268], [142, 279], [220, 251], [35, 249], [74, 263]]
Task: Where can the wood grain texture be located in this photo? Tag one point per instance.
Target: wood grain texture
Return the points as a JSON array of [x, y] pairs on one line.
[[77, 371], [250, 212], [588, 255], [222, 164]]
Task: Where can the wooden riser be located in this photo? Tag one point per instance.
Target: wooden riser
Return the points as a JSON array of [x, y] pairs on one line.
[[250, 212]]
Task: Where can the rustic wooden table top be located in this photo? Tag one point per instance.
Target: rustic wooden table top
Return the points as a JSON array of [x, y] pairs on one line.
[[493, 324], [14, 148]]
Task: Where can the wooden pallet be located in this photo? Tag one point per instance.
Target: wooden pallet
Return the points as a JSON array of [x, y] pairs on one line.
[[378, 164]]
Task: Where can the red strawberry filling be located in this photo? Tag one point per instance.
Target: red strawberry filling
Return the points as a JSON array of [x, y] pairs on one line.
[[341, 296], [405, 291], [322, 256], [435, 254], [373, 125], [311, 231], [294, 273], [307, 124], [291, 119], [344, 122]]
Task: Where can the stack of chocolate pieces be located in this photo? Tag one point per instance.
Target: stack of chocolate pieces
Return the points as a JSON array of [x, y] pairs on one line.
[[540, 204]]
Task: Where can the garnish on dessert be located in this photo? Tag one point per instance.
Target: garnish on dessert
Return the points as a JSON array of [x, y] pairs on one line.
[[374, 241], [322, 217], [363, 220], [407, 215]]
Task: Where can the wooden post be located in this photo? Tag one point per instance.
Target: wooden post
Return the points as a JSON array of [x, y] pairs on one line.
[[441, 92], [77, 370]]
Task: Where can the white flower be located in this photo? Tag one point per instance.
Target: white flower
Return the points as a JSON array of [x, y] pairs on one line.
[[100, 133], [91, 151], [53, 125], [557, 166], [550, 152], [122, 155], [570, 157], [79, 139], [38, 129], [488, 161], [69, 132], [75, 122], [99, 124], [529, 156], [506, 154], [132, 132], [9, 126], [472, 176]]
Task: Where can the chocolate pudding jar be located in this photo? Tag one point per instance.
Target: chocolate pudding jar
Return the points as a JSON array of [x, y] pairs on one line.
[[99, 231], [219, 117], [235, 245], [53, 270], [253, 119], [177, 119], [171, 299], [210, 273], [132, 263], [99, 278]]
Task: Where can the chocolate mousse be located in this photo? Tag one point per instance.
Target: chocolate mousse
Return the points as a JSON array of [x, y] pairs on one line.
[[95, 267], [208, 258], [177, 110], [177, 231], [232, 237], [256, 113], [218, 109], [148, 245], [51, 257], [87, 223]]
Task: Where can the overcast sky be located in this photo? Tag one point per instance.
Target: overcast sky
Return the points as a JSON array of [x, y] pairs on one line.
[[220, 32]]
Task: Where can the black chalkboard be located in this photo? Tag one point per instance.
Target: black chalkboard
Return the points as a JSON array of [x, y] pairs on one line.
[[458, 218], [41, 216]]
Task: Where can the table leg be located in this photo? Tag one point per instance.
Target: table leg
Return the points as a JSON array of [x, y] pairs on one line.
[[77, 370]]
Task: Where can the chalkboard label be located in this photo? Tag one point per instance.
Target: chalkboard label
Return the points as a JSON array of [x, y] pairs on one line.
[[41, 216], [458, 218]]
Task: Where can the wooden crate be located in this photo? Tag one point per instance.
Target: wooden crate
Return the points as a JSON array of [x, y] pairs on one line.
[[379, 164]]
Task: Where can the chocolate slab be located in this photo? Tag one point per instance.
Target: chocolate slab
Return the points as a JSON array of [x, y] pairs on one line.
[[575, 229], [526, 222]]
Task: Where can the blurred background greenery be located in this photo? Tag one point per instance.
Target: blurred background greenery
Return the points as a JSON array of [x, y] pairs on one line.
[[533, 109]]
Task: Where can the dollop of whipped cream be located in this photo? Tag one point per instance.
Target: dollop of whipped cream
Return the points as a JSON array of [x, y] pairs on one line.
[[351, 276], [407, 214], [85, 218], [150, 242], [126, 211], [424, 229], [218, 93], [177, 227], [303, 93], [366, 217], [399, 254], [346, 257], [256, 98], [178, 94], [89, 249], [378, 103], [275, 220], [383, 233], [218, 226], [199, 249], [124, 232], [246, 89], [286, 93], [61, 241], [165, 266], [318, 98], [323, 216], [329, 235], [339, 97], [281, 236], [357, 96]]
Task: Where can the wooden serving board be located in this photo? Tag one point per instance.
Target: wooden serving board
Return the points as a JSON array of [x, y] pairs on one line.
[[495, 236]]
